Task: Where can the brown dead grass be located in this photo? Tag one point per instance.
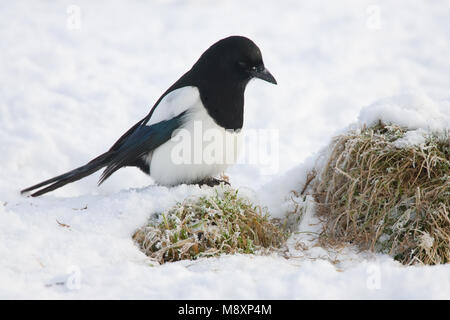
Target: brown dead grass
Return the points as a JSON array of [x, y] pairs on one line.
[[387, 199], [224, 223]]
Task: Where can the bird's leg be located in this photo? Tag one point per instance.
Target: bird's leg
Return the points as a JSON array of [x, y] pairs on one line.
[[211, 182]]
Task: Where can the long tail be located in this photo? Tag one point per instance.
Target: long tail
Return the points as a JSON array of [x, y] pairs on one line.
[[71, 176]]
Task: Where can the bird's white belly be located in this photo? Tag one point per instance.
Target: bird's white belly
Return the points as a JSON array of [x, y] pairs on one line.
[[199, 150]]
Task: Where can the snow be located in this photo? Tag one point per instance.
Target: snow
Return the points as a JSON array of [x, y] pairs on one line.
[[408, 110], [418, 113], [70, 89], [412, 137]]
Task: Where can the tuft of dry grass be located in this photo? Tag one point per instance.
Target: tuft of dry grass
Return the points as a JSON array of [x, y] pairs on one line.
[[388, 199], [209, 226]]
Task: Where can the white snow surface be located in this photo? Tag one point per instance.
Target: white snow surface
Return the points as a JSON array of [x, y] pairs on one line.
[[67, 94], [411, 110]]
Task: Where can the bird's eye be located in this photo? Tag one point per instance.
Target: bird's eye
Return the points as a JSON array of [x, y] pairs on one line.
[[254, 68]]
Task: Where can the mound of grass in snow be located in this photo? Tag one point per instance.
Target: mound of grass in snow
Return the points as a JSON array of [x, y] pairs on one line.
[[386, 198], [209, 226]]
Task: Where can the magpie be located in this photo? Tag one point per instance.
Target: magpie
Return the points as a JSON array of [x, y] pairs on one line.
[[210, 94]]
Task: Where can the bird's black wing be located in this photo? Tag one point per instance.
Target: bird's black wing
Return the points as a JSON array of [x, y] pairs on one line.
[[184, 81], [139, 143], [126, 151], [132, 146]]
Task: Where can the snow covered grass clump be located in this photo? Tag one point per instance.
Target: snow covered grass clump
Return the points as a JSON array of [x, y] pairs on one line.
[[224, 222], [387, 189]]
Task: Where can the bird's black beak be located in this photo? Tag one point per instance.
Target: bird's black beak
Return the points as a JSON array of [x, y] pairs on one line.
[[264, 74]]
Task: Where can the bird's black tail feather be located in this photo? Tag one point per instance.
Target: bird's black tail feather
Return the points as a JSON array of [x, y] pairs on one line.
[[71, 176]]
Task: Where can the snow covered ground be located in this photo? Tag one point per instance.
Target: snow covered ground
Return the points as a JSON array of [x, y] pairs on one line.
[[70, 87]]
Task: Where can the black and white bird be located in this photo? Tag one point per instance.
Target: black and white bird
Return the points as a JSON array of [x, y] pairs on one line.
[[210, 96]]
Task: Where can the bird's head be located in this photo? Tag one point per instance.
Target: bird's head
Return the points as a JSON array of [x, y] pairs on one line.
[[235, 58]]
